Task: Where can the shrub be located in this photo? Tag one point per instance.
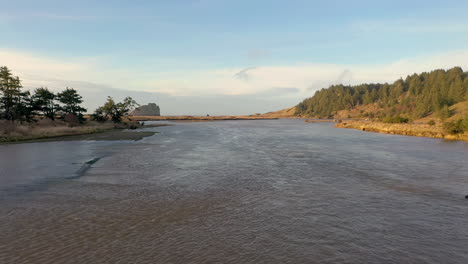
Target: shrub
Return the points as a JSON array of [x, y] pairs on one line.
[[395, 119], [71, 119], [99, 115], [456, 127], [431, 123]]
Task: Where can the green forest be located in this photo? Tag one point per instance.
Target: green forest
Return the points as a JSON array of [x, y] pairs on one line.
[[414, 97]]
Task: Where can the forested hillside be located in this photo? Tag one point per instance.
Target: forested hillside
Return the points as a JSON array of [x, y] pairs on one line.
[[416, 96]]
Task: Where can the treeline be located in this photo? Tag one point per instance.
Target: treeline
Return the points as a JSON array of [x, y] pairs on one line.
[[18, 105], [416, 96]]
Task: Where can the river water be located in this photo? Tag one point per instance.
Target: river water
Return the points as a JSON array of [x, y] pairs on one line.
[[273, 191]]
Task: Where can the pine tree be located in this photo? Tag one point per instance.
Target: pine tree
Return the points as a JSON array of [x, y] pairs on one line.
[[10, 88], [44, 101], [71, 102]]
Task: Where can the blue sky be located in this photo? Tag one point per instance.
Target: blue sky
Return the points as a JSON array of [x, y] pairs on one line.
[[190, 52]]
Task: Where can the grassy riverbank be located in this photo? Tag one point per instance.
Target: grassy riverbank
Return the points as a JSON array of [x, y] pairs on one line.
[[411, 129], [48, 130], [116, 134]]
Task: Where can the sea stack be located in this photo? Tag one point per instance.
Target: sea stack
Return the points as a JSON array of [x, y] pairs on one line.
[[150, 109]]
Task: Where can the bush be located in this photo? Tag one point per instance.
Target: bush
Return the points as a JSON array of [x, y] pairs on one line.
[[99, 115], [395, 119], [71, 119], [456, 127], [431, 123]]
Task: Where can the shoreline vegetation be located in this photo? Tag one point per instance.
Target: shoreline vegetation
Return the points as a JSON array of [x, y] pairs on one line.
[[411, 129], [106, 135], [47, 131], [320, 121], [97, 135]]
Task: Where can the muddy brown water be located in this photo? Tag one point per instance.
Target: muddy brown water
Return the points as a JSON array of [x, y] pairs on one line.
[[272, 191]]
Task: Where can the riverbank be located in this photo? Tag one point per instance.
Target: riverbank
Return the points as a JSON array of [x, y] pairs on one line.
[[47, 130], [412, 129], [109, 135], [320, 120]]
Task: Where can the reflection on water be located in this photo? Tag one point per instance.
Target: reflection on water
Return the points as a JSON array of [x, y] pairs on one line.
[[279, 191]]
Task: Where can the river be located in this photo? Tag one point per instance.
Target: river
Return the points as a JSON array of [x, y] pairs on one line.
[[271, 191]]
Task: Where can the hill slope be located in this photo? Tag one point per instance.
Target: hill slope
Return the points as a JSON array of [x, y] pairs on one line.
[[417, 96], [284, 113]]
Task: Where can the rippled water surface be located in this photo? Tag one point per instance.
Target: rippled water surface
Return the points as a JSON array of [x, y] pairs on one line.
[[274, 191]]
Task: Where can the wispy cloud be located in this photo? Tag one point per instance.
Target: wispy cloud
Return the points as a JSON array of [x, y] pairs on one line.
[[345, 77], [244, 74]]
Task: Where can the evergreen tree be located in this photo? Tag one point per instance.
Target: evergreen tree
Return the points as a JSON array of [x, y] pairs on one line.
[[26, 107], [10, 89], [71, 102], [465, 86], [444, 112], [44, 101]]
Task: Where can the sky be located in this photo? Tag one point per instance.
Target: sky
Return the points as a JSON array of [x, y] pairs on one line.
[[221, 57]]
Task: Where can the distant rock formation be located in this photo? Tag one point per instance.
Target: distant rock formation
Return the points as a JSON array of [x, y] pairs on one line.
[[150, 109]]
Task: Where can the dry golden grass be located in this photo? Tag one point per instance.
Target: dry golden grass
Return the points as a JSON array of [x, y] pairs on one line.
[[285, 113], [459, 110], [45, 128], [412, 129]]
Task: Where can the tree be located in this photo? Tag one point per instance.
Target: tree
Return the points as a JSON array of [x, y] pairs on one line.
[[444, 112], [114, 111], [26, 107], [415, 84], [99, 115], [44, 101], [465, 86], [71, 102], [10, 88]]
